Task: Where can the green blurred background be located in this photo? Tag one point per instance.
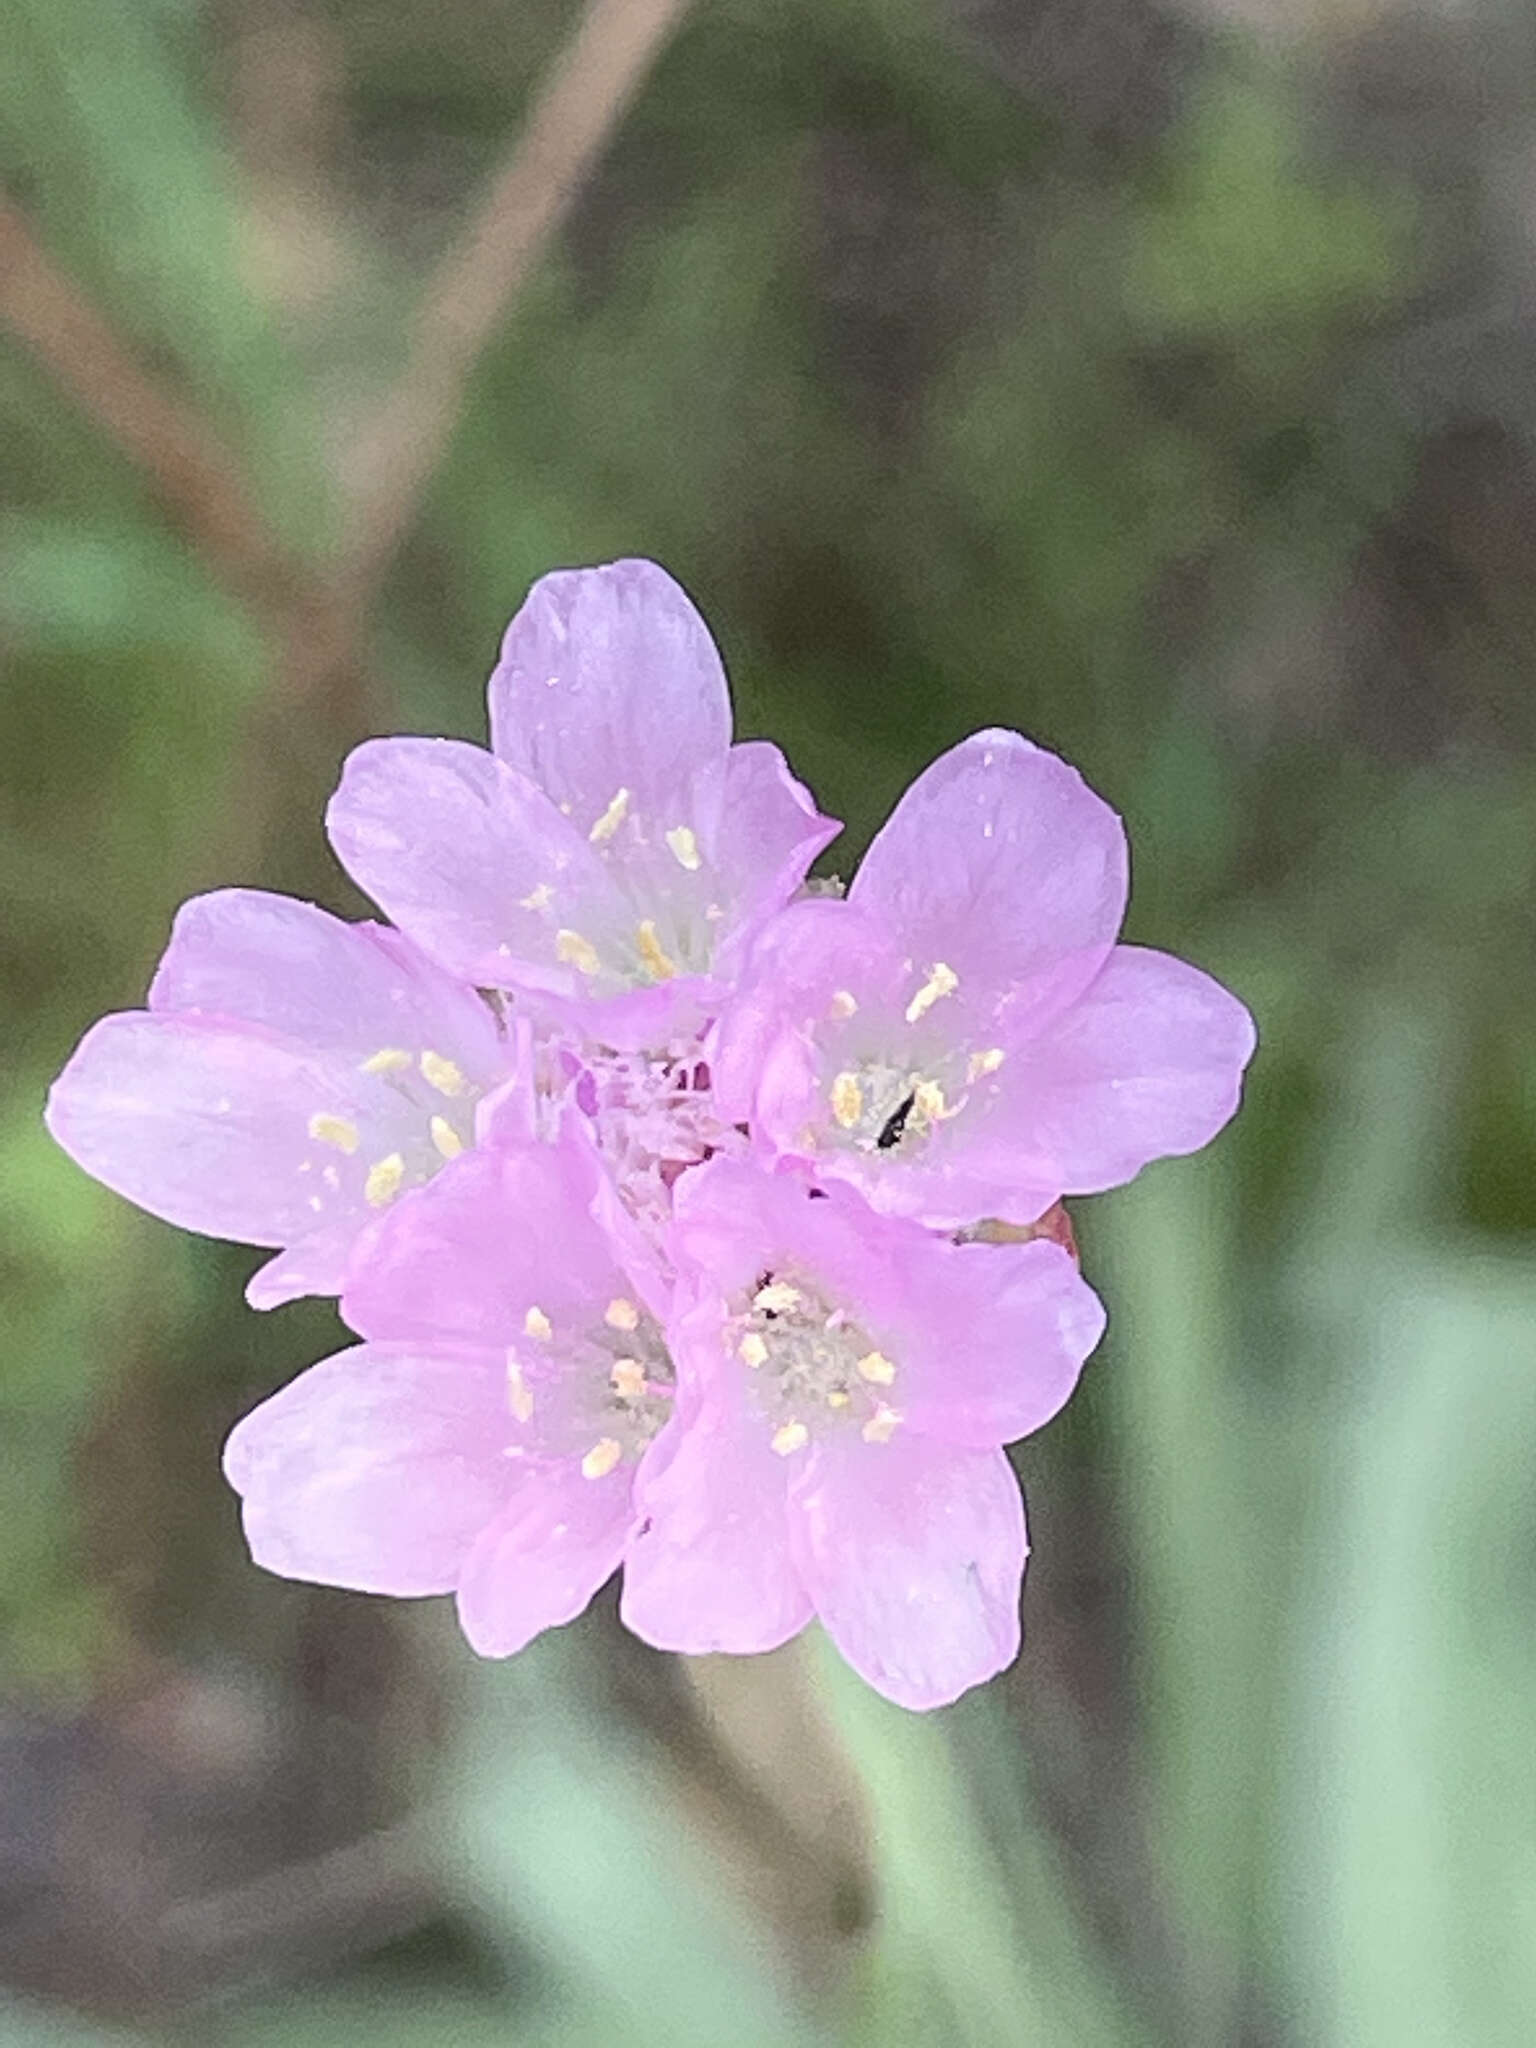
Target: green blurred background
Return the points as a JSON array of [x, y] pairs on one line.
[[1158, 378]]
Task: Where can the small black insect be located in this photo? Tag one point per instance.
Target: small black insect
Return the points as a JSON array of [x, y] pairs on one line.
[[894, 1125]]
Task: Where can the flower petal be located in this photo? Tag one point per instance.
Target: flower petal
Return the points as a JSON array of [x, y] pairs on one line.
[[471, 861], [708, 1568], [556, 1541], [770, 831], [294, 969], [1146, 1064], [375, 1470], [207, 1126], [914, 1556], [991, 1338], [495, 1235], [1000, 862], [609, 681]]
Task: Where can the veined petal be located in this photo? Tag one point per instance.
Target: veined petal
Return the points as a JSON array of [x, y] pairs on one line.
[[770, 831], [1146, 1064], [914, 1555], [377, 1469], [292, 968], [474, 863], [499, 1233], [609, 681], [1000, 862], [708, 1567], [557, 1540], [208, 1126]]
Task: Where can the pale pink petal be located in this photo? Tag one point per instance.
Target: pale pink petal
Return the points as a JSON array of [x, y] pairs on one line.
[[609, 681], [292, 968], [471, 861], [913, 1554], [991, 1338], [770, 831], [556, 1541], [208, 1127], [377, 1469], [496, 1234], [1146, 1064], [318, 1264], [1000, 862], [708, 1567]]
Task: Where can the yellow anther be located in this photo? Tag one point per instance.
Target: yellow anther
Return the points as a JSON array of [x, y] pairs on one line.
[[986, 1062], [389, 1059], [685, 848], [752, 1350], [445, 1137], [837, 1398], [778, 1298], [572, 950], [441, 1074], [627, 1378], [537, 1324], [538, 898], [844, 1002], [333, 1130], [602, 1458], [928, 1101], [847, 1100], [611, 819], [656, 963], [793, 1436], [875, 1367], [881, 1426], [942, 981], [384, 1179], [621, 1314], [519, 1398]]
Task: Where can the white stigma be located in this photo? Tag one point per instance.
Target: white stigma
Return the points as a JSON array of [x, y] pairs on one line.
[[942, 981], [847, 1099], [384, 1181], [333, 1130], [602, 1458], [572, 950], [656, 963], [778, 1298], [389, 1059], [685, 848], [612, 818], [519, 1399], [441, 1074]]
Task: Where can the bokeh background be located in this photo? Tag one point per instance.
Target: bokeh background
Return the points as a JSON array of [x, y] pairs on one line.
[[1157, 376]]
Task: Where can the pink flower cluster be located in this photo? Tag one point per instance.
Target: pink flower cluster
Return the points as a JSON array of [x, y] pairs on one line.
[[649, 1176]]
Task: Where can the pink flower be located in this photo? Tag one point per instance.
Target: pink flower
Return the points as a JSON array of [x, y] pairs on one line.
[[962, 1037], [292, 1077], [485, 1439], [613, 853], [845, 1380]]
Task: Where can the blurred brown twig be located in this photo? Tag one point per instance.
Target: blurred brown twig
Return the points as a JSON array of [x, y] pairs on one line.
[[527, 198], [316, 619]]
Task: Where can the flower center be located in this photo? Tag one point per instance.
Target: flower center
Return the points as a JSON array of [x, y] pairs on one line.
[[425, 1116], [813, 1370], [610, 1390]]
